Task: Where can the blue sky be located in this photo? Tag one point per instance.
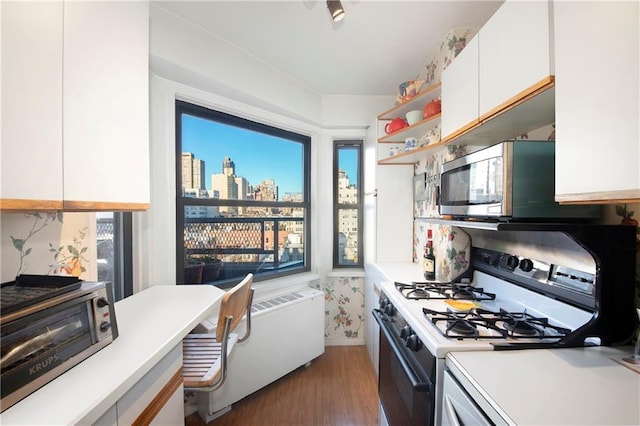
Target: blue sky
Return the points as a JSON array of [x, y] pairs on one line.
[[256, 156]]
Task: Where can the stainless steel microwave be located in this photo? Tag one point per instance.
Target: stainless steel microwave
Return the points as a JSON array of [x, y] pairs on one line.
[[512, 180]]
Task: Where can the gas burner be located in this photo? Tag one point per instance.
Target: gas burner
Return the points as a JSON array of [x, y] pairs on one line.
[[458, 326], [526, 325], [463, 291], [467, 325]]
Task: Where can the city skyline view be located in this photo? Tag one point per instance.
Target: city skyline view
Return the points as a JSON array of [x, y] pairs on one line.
[[257, 157]]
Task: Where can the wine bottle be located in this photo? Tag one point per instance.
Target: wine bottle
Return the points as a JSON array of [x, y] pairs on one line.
[[429, 259]]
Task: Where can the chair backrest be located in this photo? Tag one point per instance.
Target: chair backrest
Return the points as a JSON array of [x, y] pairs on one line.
[[235, 303]]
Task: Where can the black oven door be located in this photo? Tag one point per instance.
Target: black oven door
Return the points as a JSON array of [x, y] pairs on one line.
[[405, 388]]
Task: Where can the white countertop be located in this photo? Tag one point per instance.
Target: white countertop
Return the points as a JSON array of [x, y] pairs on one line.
[[150, 324], [576, 386]]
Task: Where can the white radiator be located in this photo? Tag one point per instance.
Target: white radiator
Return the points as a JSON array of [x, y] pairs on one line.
[[287, 331]]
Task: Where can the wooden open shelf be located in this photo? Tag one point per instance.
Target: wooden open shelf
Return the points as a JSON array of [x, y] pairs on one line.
[[530, 110]]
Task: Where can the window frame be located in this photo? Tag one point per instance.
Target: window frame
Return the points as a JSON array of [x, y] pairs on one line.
[[358, 145], [184, 107]]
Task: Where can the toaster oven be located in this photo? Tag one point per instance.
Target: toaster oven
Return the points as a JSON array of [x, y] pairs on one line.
[[48, 325]]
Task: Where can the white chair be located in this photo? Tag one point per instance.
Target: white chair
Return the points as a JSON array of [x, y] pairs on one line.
[[205, 356]]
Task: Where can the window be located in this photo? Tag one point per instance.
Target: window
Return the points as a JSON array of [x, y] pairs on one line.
[[242, 198], [347, 196], [114, 242]]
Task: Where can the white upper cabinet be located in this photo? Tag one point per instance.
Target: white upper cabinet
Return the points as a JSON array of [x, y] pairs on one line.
[[32, 104], [75, 106], [460, 92], [106, 104], [597, 113], [515, 54]]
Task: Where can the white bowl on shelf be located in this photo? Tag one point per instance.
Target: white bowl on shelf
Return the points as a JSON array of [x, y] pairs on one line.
[[414, 116]]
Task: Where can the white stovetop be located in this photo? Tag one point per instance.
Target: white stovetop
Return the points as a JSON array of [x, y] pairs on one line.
[[576, 386], [510, 297], [406, 272], [150, 323]]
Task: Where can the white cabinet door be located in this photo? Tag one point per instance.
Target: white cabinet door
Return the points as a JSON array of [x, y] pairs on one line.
[[32, 102], [106, 102], [515, 53], [460, 91], [597, 137]]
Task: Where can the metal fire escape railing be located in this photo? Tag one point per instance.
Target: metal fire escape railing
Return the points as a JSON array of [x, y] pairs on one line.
[[240, 239]]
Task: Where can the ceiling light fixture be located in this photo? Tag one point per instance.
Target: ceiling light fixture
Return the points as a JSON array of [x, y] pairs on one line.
[[335, 9]]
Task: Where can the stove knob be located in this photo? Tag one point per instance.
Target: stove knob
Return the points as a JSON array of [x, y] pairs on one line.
[[526, 265], [513, 262], [414, 343], [389, 309], [383, 303], [405, 332]]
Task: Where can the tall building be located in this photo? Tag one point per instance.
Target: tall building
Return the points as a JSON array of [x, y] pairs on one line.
[[347, 219], [226, 184], [192, 172], [267, 191]]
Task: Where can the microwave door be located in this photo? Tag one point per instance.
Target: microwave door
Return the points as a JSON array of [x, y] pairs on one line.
[[474, 186]]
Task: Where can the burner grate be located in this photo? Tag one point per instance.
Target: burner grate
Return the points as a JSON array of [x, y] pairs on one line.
[[480, 323], [430, 290]]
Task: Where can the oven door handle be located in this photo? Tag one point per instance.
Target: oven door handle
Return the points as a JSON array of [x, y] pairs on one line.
[[416, 383]]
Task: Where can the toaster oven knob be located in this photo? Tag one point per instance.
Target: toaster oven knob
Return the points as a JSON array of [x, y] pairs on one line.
[[102, 302], [104, 326], [414, 343], [526, 265]]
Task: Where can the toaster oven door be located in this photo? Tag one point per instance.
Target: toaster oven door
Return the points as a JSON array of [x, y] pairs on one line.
[[38, 347]]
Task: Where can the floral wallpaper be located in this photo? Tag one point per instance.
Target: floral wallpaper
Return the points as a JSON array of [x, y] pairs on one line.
[[48, 243], [344, 310]]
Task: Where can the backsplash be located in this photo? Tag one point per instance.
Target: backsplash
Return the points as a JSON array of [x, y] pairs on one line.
[[48, 243]]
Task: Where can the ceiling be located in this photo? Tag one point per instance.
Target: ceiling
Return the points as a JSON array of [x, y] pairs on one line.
[[378, 44]]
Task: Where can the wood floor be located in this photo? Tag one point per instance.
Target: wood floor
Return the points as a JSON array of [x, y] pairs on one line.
[[339, 388]]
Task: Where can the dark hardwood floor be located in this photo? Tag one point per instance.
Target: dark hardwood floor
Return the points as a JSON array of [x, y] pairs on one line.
[[339, 388]]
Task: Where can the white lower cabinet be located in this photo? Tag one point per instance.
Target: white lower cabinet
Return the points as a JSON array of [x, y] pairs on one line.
[[157, 398], [597, 109], [372, 329]]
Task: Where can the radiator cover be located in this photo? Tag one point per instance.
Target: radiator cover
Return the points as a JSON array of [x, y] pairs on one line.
[[287, 331]]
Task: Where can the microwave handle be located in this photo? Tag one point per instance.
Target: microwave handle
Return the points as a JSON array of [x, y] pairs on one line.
[[438, 198]]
